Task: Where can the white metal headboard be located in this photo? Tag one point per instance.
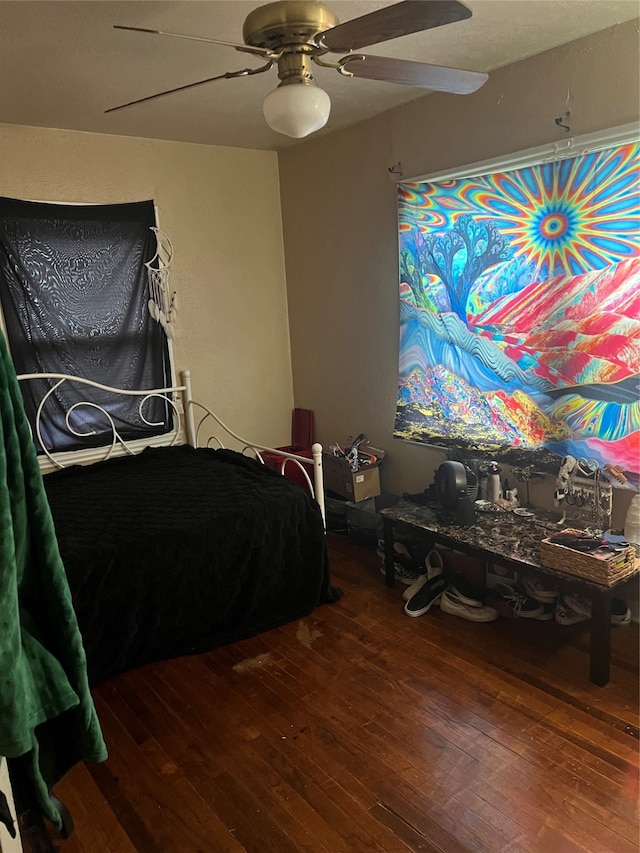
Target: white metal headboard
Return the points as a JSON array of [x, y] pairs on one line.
[[180, 400], [174, 396]]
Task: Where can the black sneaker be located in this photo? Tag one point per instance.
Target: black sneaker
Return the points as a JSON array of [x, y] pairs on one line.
[[428, 594], [548, 609], [521, 604], [401, 555], [620, 613], [401, 574]]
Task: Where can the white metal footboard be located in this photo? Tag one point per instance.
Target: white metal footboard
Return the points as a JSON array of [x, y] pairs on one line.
[[199, 418]]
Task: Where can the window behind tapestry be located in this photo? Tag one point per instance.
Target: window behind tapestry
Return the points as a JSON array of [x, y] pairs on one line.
[[73, 292]]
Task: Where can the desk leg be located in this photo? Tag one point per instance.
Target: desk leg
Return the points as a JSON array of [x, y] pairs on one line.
[[600, 638], [387, 532]]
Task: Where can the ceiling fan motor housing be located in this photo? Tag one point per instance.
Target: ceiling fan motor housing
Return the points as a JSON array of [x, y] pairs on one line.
[[287, 25]]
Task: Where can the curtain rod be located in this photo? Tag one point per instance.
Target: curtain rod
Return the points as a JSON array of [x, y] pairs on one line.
[[549, 153]]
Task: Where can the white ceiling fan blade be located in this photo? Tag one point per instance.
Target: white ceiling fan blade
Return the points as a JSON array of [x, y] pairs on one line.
[[408, 73], [245, 48], [245, 72], [401, 19]]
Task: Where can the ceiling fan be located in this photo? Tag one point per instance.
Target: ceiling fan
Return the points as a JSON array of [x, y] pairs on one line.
[[293, 34]]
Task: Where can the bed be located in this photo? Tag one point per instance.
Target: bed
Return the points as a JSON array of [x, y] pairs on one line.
[[177, 544]]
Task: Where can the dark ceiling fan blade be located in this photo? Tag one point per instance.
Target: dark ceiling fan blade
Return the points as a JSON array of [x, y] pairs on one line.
[[245, 72], [401, 19], [408, 73], [245, 48]]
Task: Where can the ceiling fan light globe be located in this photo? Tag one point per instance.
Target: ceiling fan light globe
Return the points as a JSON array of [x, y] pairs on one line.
[[297, 109]]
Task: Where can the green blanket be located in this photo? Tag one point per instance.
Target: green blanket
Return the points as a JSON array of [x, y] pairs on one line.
[[47, 717]]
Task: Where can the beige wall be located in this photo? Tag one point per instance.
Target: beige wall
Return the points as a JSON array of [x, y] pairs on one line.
[[221, 209], [8, 844], [339, 220]]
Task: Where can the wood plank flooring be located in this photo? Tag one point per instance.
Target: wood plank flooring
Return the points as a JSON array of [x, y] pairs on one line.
[[360, 729]]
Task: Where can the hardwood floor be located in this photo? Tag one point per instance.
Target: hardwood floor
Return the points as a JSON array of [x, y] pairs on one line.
[[360, 729]]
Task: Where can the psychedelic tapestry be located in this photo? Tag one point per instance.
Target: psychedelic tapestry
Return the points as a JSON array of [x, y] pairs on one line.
[[520, 310]]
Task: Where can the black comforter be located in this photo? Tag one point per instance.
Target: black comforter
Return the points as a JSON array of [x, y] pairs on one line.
[[179, 550]]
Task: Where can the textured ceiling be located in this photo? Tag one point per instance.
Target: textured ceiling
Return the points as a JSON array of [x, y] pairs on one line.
[[62, 64]]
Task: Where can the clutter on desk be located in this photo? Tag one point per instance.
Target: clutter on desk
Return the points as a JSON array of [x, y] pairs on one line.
[[585, 540], [583, 493], [463, 490], [525, 474], [587, 555], [460, 491], [521, 512]]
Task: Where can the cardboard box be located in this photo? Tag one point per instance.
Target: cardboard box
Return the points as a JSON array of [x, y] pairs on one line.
[[353, 485]]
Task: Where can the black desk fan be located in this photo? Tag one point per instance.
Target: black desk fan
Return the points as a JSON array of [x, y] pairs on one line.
[[456, 489]]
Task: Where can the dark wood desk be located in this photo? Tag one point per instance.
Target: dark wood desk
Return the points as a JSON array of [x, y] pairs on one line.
[[505, 539]]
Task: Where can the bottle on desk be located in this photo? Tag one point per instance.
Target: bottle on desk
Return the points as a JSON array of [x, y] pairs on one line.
[[494, 486], [482, 487], [632, 521]]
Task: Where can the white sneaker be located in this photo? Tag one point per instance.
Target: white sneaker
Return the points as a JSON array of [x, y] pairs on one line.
[[433, 563], [564, 615], [410, 591], [465, 591], [580, 604], [399, 549], [450, 604], [536, 589], [401, 553]]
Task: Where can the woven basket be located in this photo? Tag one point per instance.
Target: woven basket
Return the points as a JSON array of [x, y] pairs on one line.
[[605, 570]]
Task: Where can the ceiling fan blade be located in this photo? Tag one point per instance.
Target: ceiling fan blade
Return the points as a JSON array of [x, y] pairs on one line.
[[401, 19], [408, 73], [245, 72], [245, 48]]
